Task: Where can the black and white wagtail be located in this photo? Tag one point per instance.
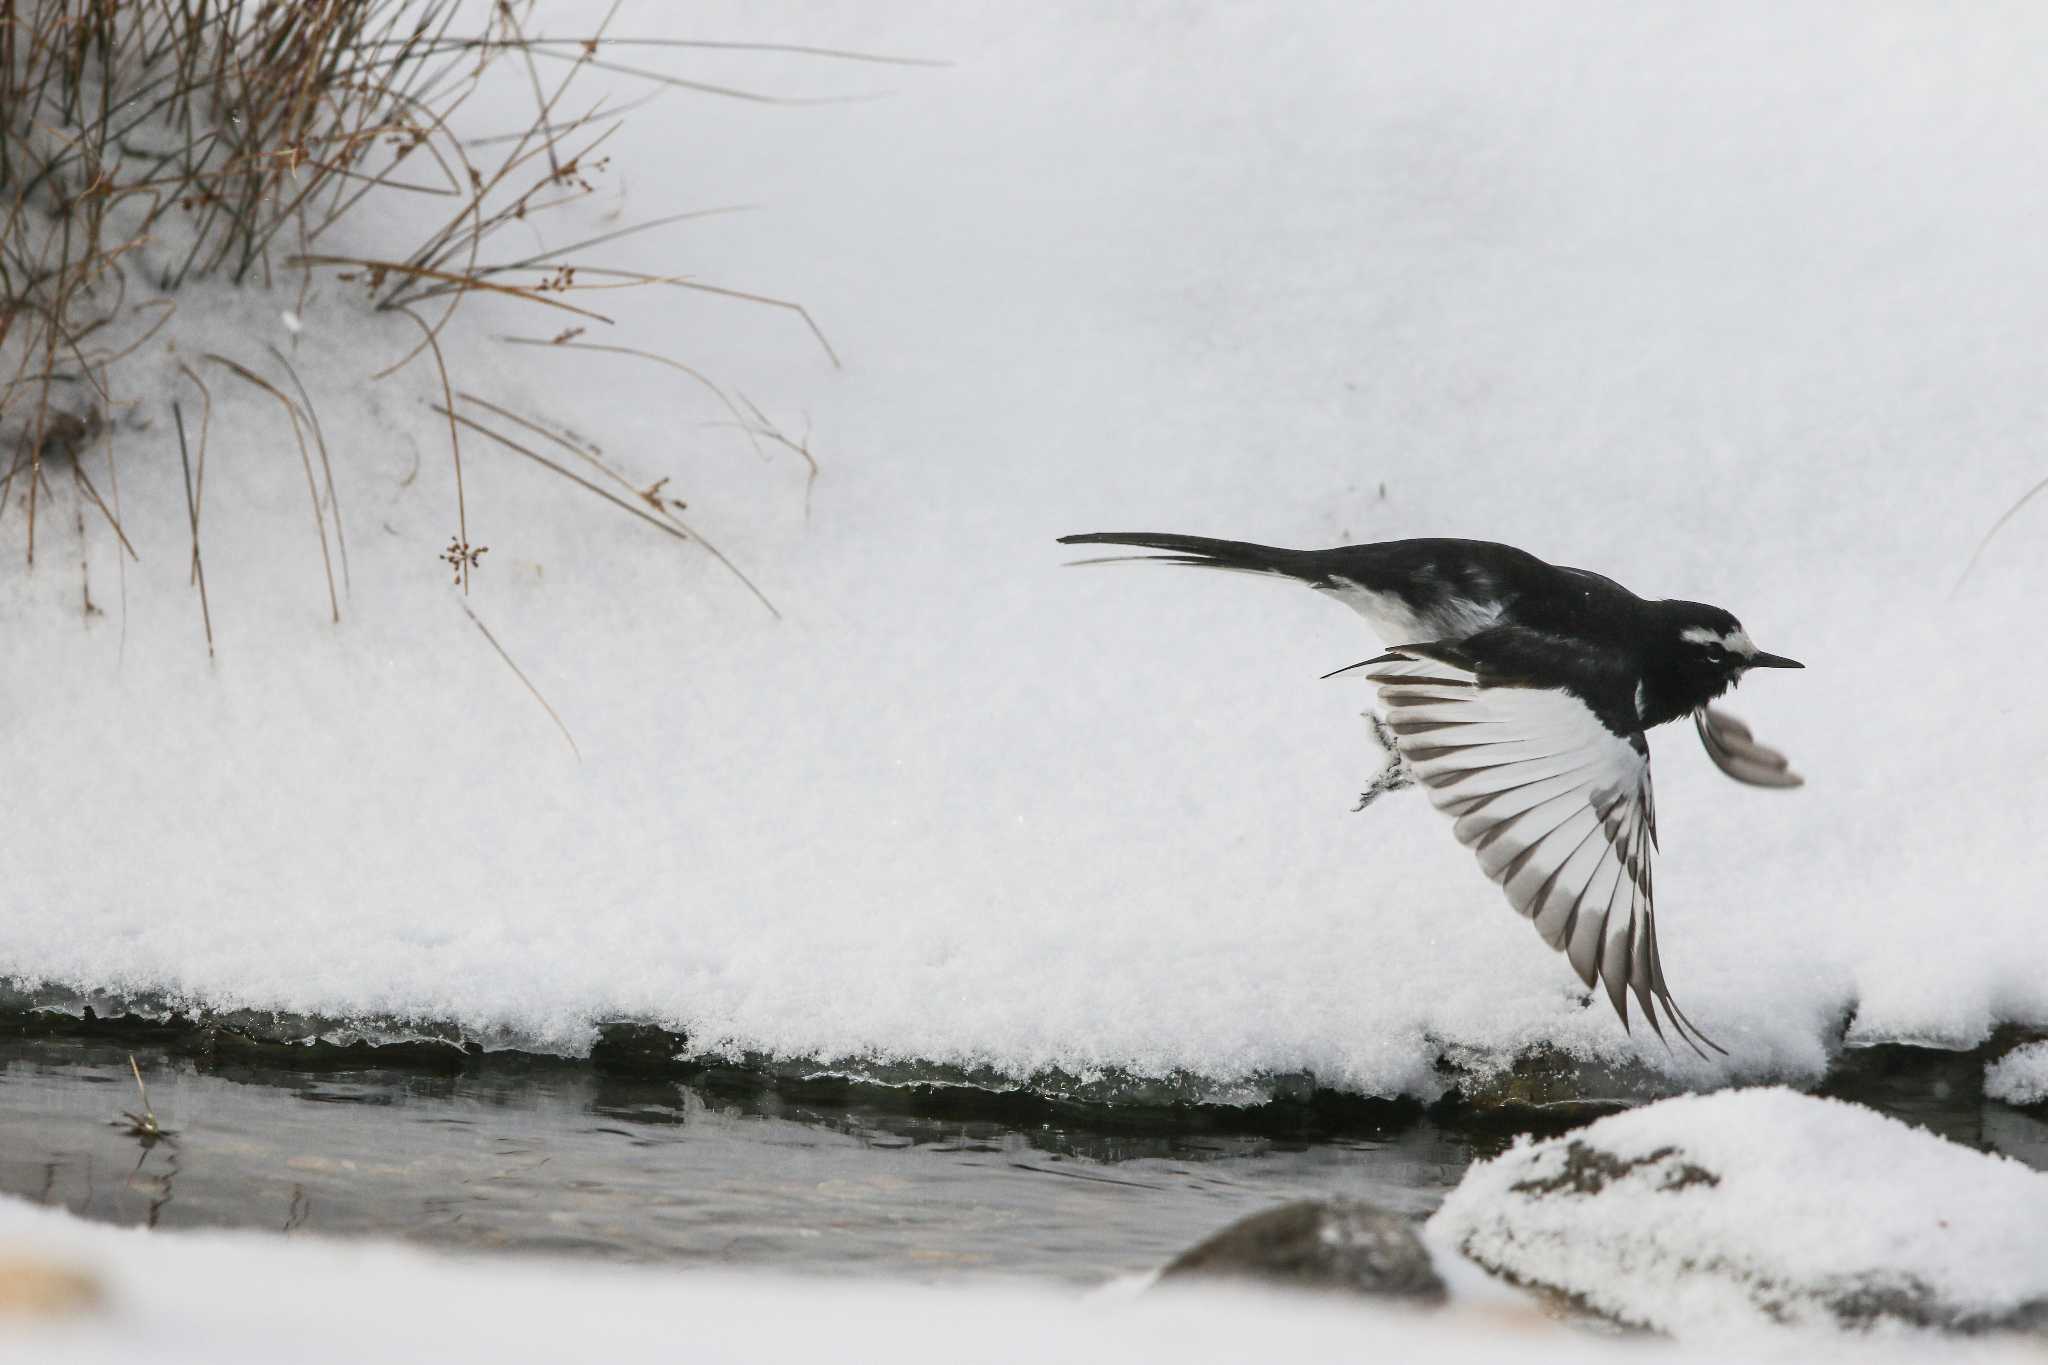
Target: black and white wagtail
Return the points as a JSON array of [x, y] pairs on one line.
[[1518, 693]]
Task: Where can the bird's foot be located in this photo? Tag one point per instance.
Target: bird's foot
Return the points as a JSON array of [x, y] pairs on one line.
[[1391, 778]]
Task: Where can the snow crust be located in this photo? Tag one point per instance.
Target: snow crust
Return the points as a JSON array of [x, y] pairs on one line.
[[1730, 303], [225, 1298], [1757, 1209], [2020, 1076]]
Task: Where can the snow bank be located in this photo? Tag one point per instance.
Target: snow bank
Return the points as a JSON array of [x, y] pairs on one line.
[[223, 1299], [1758, 1208], [2020, 1076], [1732, 303]]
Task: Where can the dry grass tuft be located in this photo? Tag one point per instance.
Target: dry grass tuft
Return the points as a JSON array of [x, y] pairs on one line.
[[146, 145], [143, 1125]]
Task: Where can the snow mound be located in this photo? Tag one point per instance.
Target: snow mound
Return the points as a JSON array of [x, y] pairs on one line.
[[1717, 1213], [2020, 1076]]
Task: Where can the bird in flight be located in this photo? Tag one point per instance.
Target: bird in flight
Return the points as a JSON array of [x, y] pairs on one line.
[[1518, 693]]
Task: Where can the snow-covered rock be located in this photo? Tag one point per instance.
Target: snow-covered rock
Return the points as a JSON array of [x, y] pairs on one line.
[[2020, 1076], [1753, 1208]]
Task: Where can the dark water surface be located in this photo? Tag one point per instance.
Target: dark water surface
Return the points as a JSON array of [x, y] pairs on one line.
[[525, 1154], [556, 1158]]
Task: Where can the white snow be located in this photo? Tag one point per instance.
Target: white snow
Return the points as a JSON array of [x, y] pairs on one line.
[[1733, 303], [1755, 1209], [225, 1298], [2020, 1076]]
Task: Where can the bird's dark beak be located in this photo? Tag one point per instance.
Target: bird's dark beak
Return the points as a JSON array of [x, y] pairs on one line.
[[1773, 661]]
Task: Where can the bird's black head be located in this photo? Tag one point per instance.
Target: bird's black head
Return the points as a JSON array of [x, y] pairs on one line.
[[1693, 654]]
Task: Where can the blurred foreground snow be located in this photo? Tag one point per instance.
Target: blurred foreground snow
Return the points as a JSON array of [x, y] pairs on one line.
[[107, 1295]]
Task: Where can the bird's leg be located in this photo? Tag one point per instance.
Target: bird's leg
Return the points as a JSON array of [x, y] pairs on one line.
[[1395, 775]]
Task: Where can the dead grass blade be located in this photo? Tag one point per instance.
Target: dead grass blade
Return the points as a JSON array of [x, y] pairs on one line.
[[518, 673], [581, 452], [634, 277], [583, 59], [566, 344], [465, 282], [199, 477], [670, 524], [801, 449], [464, 559], [85, 483], [556, 253], [593, 41], [114, 487], [571, 475], [19, 463], [326, 465], [1996, 527], [192, 512], [291, 412], [610, 111]]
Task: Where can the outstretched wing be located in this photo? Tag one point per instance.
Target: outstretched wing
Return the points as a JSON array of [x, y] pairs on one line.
[[1557, 808]]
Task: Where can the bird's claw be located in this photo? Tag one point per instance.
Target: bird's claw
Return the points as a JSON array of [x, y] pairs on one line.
[[1395, 775]]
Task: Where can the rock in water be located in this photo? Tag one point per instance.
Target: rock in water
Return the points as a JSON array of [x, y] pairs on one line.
[[1712, 1213], [1338, 1244]]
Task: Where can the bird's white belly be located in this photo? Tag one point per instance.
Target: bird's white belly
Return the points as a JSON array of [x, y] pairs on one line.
[[1396, 624]]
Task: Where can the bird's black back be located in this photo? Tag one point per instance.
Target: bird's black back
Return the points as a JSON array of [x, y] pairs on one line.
[[1431, 574], [1428, 575], [1527, 622]]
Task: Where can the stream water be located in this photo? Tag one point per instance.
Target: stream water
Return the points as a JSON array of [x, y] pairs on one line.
[[556, 1158], [528, 1155]]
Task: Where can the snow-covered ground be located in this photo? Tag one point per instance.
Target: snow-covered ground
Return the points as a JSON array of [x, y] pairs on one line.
[[1734, 303], [1762, 1209]]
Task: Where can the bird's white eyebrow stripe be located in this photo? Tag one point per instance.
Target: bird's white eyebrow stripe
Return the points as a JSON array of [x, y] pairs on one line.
[[1736, 641]]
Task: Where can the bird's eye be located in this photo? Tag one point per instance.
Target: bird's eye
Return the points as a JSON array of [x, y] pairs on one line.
[[1715, 654]]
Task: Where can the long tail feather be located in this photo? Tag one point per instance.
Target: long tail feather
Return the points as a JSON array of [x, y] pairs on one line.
[[1207, 553]]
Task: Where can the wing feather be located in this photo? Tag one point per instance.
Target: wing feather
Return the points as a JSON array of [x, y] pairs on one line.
[[1590, 904], [1557, 809]]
